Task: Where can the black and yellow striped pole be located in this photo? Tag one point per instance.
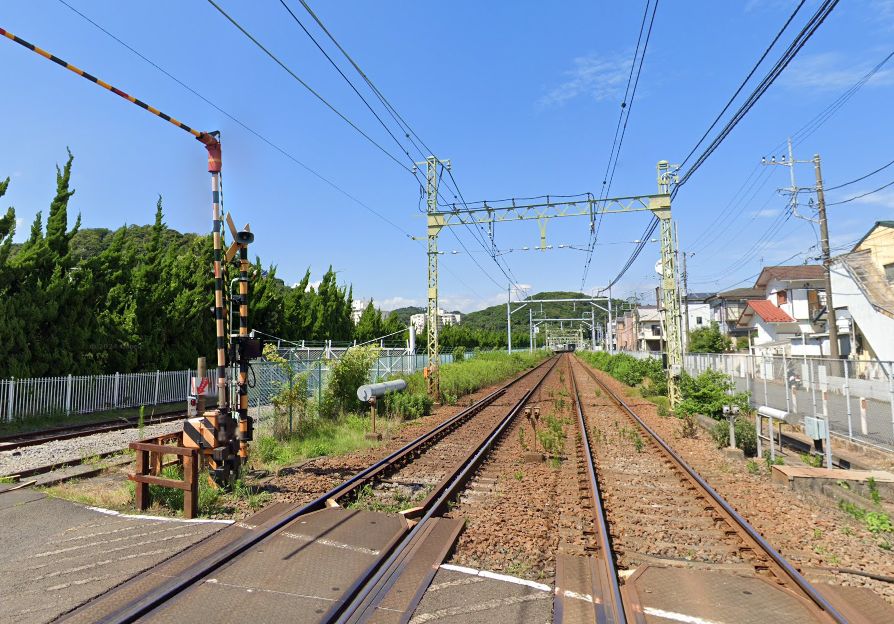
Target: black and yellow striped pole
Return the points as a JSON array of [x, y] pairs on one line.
[[211, 143], [201, 136], [226, 423], [244, 420]]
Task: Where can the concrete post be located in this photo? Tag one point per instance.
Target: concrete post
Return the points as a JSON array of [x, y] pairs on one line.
[[508, 319], [788, 400], [157, 375], [11, 399], [864, 426], [824, 395], [201, 372], [757, 429], [891, 394], [68, 396], [115, 391], [847, 399]]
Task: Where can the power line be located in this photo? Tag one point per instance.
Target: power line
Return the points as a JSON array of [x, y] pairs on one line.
[[346, 79], [313, 92], [625, 106], [245, 126], [787, 57], [744, 82], [871, 173], [405, 127], [760, 243], [790, 53], [798, 137], [734, 201], [855, 197], [258, 135], [399, 119], [823, 116], [737, 213], [751, 277]]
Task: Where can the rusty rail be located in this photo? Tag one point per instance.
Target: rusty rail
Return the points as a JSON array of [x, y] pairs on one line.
[[367, 592], [170, 588], [767, 558], [610, 606]]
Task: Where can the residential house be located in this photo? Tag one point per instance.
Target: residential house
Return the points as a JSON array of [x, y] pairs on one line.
[[787, 318], [648, 328], [863, 292], [697, 311], [625, 332], [726, 308]]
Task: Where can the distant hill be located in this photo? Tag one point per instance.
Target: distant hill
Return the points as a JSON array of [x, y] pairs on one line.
[[404, 314]]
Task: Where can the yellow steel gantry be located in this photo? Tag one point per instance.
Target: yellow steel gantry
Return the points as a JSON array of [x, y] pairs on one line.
[[659, 204]]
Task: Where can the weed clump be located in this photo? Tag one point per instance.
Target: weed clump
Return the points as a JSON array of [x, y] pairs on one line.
[[746, 437]]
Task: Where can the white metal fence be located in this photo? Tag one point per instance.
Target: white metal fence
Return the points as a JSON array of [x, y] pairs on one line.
[[856, 398], [80, 394]]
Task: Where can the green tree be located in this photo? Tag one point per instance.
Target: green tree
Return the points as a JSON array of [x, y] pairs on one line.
[[708, 340], [370, 324]]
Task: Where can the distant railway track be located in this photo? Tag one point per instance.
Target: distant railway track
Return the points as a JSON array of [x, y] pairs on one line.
[[33, 438], [653, 493]]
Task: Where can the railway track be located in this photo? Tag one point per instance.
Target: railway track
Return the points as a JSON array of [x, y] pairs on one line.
[[462, 441], [627, 508], [33, 438], [659, 511]]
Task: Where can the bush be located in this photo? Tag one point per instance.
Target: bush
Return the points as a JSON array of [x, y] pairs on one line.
[[314, 437], [290, 403], [459, 354], [746, 436], [172, 498], [708, 393], [632, 371], [345, 376], [708, 340], [485, 369], [407, 405]]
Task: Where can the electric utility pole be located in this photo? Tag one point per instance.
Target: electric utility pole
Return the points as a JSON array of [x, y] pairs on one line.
[[793, 191], [827, 261], [686, 303]]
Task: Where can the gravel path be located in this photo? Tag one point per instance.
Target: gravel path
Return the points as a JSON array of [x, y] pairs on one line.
[[61, 451]]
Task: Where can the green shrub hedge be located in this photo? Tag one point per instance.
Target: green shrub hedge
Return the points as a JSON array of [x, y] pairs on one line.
[[461, 378]]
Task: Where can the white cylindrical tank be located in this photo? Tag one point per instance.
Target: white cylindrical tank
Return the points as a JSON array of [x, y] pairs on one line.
[[368, 391]]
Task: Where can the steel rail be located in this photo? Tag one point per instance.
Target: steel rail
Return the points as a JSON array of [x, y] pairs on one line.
[[33, 438], [344, 613], [610, 610], [790, 572], [194, 573]]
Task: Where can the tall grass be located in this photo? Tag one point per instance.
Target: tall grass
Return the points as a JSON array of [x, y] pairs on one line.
[[317, 437], [461, 378]]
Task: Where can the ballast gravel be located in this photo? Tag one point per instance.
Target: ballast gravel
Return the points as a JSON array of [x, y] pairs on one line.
[[64, 451]]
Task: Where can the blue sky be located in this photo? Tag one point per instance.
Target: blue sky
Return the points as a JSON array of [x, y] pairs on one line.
[[522, 96]]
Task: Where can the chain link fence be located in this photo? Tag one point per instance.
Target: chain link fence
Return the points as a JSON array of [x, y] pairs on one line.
[[268, 379]]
